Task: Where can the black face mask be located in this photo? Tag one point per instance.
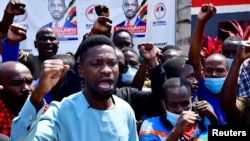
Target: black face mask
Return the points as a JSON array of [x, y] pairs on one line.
[[122, 69]]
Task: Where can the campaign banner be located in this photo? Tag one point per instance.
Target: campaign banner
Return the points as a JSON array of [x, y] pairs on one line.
[[154, 20]]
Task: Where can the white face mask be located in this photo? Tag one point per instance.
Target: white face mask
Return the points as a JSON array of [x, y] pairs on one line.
[[128, 77], [214, 85], [172, 117]]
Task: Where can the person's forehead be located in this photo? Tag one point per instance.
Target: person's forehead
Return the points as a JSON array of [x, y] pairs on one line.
[[215, 64], [45, 30], [230, 48], [123, 36], [188, 69], [15, 72], [130, 1], [130, 55], [46, 33], [98, 50], [177, 94], [57, 1], [216, 58]]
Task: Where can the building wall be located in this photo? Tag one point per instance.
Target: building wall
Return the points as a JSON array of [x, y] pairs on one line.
[[183, 24]]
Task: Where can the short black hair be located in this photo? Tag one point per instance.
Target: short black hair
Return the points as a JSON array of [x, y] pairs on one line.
[[220, 56], [228, 41], [91, 42], [129, 49], [66, 58], [170, 47], [174, 82], [123, 30], [174, 66]]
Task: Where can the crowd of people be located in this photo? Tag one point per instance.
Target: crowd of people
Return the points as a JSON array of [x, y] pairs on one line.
[[106, 91]]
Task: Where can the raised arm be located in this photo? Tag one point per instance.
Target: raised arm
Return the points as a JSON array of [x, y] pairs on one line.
[[13, 8], [24, 126], [50, 75], [140, 76], [16, 34], [228, 96], [206, 12], [151, 55]]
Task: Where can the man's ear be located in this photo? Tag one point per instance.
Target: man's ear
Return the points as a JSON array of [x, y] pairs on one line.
[[80, 71]]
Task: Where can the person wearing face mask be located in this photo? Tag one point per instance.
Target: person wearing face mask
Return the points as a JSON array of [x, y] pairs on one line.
[[244, 73], [236, 108], [229, 48], [134, 73], [126, 76], [179, 122], [212, 76], [129, 69]]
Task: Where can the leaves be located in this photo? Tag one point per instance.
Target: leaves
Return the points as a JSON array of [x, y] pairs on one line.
[[243, 33], [211, 45]]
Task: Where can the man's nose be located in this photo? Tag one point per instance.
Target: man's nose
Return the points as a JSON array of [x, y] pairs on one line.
[[26, 87], [106, 69], [195, 82], [178, 109], [214, 74]]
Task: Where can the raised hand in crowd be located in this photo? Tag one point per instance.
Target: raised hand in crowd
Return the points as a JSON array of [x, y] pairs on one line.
[[102, 10], [13, 8], [16, 34], [186, 120], [102, 26], [50, 75], [204, 108], [206, 12], [150, 53], [235, 107]]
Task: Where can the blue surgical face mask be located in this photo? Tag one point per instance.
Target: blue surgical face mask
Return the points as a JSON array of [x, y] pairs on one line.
[[172, 117], [128, 77], [214, 85], [229, 61]]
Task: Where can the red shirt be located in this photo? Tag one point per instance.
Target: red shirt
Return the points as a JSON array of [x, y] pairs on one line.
[[6, 118]]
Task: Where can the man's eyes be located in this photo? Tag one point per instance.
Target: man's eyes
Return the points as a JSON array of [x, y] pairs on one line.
[[99, 63]]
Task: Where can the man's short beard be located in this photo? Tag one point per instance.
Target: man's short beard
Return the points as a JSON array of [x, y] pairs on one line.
[[101, 96]]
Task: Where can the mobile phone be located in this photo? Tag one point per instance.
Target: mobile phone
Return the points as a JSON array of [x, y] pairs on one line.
[[195, 100]]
